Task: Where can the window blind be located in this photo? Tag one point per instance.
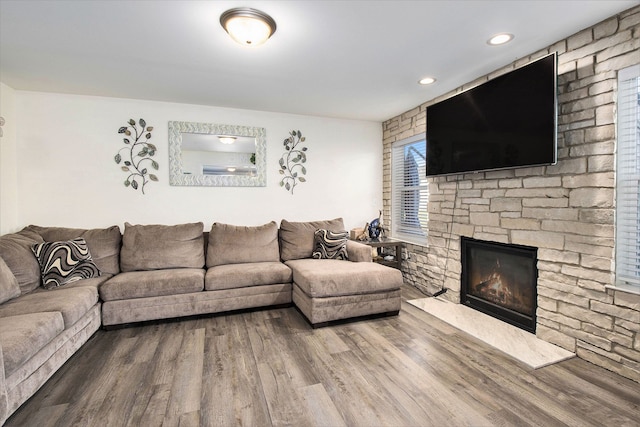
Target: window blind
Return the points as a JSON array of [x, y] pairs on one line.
[[628, 180], [409, 191]]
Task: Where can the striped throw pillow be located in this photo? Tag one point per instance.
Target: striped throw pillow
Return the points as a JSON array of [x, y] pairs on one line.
[[64, 262], [330, 244]]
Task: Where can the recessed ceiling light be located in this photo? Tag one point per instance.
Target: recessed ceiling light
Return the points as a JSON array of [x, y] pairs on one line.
[[499, 39], [427, 81]]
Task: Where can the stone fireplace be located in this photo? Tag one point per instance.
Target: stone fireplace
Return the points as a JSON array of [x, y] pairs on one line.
[[500, 280], [566, 211]]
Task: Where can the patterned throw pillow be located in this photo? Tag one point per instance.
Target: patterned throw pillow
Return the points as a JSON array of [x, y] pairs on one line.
[[64, 262], [330, 244]]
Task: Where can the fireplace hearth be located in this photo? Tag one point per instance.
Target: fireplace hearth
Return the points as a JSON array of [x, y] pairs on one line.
[[500, 280]]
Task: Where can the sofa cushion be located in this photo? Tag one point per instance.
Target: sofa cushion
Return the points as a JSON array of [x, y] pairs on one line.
[[15, 250], [24, 335], [232, 276], [9, 288], [297, 238], [71, 303], [104, 243], [330, 277], [330, 244], [154, 247], [64, 262], [232, 244], [142, 284], [94, 282]]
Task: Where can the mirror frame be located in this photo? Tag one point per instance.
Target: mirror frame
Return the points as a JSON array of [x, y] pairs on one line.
[[176, 177]]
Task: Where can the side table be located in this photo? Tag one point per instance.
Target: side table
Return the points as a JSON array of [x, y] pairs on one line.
[[386, 242]]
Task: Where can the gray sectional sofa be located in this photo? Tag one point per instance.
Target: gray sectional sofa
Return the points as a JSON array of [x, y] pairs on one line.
[[152, 272]]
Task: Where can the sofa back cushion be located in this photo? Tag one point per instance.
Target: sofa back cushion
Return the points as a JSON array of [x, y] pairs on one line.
[[9, 288], [156, 247], [233, 244], [15, 250], [104, 243], [297, 238]]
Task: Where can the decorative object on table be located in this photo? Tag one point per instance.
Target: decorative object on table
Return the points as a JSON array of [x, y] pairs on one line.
[[354, 233], [138, 154], [363, 235], [292, 161], [375, 227], [1, 124]]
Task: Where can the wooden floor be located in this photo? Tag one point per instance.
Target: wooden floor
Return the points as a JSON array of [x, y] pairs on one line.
[[269, 367]]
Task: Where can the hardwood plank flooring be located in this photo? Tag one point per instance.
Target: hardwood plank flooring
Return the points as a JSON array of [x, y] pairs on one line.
[[270, 368]]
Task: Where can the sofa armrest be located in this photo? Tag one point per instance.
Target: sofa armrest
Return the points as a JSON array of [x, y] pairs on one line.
[[3, 390], [358, 252]]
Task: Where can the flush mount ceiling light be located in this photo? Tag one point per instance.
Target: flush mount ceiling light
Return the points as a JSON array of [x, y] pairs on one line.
[[499, 39], [427, 80], [247, 26], [227, 139]]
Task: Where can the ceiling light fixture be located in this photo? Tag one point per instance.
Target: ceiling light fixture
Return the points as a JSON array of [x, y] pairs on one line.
[[247, 26], [427, 81], [227, 139], [499, 39]]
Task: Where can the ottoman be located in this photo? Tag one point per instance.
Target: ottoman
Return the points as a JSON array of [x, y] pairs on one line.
[[325, 290]]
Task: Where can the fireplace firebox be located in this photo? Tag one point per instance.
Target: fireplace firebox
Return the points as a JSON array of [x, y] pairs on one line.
[[500, 280]]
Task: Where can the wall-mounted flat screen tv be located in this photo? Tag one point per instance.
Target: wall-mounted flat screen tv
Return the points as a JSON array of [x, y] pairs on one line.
[[507, 122]]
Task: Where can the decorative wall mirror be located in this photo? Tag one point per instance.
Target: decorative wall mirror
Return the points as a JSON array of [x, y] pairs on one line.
[[206, 154]]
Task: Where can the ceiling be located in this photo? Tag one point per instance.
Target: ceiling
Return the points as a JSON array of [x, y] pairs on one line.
[[344, 59]]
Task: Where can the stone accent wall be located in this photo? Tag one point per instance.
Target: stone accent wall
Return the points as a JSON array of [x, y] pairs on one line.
[[566, 210]]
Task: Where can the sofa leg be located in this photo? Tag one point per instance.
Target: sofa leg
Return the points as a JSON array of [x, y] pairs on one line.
[[116, 327], [320, 325], [392, 313]]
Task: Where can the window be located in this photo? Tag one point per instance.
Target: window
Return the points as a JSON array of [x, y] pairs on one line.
[[628, 181], [409, 191]]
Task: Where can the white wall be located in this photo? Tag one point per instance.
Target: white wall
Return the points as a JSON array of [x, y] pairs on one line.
[[8, 173], [67, 176]]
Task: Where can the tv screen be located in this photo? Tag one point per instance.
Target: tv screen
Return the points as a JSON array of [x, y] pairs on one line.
[[507, 122]]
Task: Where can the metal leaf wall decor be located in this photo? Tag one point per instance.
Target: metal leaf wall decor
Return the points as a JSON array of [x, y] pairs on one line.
[[137, 157], [292, 161]]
